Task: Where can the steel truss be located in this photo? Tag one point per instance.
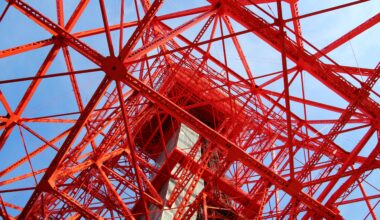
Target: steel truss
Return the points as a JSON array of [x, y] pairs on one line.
[[265, 152]]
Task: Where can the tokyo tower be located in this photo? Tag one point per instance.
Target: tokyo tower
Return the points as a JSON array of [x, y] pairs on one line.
[[189, 109]]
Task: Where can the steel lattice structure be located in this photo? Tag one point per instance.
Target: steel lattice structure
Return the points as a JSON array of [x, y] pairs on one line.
[[110, 84]]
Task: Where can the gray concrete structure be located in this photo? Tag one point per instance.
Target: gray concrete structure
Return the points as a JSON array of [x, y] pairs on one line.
[[184, 139]]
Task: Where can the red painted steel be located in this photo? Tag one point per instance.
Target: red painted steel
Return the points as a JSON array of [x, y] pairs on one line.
[[266, 147]]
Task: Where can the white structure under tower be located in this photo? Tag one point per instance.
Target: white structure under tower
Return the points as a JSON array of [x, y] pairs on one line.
[[184, 139]]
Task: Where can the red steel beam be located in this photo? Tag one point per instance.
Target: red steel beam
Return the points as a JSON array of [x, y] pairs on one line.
[[310, 103], [81, 34], [222, 183], [126, 211], [363, 168], [347, 163], [44, 67], [249, 85], [234, 152], [359, 199], [161, 40], [136, 35], [74, 132], [353, 33], [351, 70], [298, 55], [28, 94], [338, 176], [297, 17], [177, 156]]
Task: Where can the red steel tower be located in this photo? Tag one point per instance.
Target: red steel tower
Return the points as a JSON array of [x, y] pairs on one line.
[[218, 109]]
